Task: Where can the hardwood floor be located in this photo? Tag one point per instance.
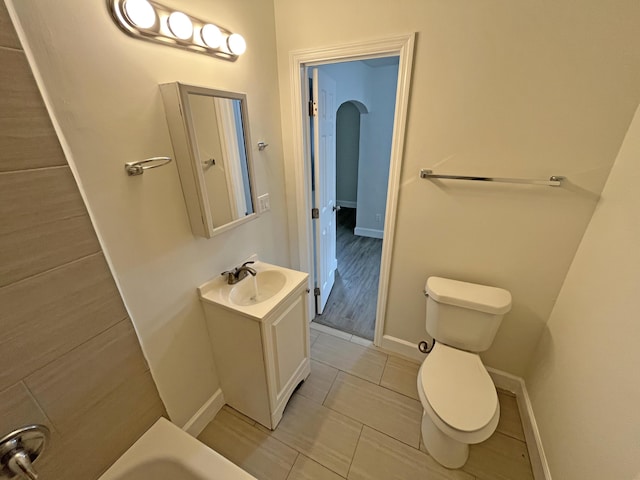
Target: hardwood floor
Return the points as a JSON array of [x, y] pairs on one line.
[[352, 304]]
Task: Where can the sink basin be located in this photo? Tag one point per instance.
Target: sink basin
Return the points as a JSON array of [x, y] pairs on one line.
[[254, 297], [257, 289]]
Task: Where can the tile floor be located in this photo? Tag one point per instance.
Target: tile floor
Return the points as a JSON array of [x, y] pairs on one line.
[[358, 417]]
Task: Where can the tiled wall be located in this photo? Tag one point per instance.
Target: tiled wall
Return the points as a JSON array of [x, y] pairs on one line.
[[69, 356]]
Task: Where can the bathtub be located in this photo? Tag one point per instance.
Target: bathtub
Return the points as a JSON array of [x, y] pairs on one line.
[[165, 452]]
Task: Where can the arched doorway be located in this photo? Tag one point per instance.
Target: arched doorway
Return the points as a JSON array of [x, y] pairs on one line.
[[348, 152]]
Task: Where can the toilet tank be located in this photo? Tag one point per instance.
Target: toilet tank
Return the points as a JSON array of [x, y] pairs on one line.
[[464, 315]]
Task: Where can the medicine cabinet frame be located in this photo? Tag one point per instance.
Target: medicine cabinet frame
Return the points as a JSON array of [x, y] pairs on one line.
[[182, 130]]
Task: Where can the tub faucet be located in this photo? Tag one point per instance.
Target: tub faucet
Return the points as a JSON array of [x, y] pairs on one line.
[[19, 449], [238, 273]]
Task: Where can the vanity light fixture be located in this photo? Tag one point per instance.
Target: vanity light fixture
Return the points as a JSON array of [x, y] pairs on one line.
[[149, 20], [236, 43], [140, 13], [211, 36], [180, 25]]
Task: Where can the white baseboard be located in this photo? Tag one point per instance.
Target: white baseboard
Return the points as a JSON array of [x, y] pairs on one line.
[[368, 232], [502, 380], [516, 385], [347, 203], [402, 347], [506, 381], [205, 414]]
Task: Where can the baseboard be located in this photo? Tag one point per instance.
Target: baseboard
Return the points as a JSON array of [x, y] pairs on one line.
[[347, 203], [402, 347], [532, 434], [516, 385], [205, 414], [506, 381], [368, 232]]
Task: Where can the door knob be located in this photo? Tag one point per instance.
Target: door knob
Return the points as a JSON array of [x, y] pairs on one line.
[[336, 208]]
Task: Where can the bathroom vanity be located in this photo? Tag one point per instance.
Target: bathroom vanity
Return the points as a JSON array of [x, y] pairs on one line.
[[260, 335]]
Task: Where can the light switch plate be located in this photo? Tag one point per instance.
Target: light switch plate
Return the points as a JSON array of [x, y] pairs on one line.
[[263, 203]]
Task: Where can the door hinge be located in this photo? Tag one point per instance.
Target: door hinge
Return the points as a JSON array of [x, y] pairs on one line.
[[315, 213], [316, 291], [313, 108]]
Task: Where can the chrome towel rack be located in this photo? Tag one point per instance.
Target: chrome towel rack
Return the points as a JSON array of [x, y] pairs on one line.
[[554, 180], [138, 168]]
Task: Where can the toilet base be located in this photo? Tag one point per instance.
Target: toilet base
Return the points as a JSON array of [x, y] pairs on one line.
[[445, 450]]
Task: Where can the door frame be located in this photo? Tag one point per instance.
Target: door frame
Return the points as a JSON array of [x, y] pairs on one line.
[[401, 46]]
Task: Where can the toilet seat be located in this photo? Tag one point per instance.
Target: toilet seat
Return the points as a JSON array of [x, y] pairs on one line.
[[458, 393]]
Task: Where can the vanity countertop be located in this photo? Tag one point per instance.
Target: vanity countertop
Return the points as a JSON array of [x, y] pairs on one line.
[[218, 292]]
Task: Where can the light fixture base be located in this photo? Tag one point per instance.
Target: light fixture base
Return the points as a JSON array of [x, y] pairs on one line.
[[160, 31]]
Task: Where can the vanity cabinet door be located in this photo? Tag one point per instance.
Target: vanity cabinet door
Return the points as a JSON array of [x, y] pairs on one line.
[[287, 351]]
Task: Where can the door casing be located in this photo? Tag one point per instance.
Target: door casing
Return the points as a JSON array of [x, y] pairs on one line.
[[299, 61]]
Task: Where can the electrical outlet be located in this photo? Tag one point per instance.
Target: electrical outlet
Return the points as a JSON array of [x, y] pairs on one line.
[[263, 203]]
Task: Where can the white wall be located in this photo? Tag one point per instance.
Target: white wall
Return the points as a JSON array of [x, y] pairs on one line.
[[103, 88], [375, 87], [583, 382], [375, 150], [352, 79], [522, 89]]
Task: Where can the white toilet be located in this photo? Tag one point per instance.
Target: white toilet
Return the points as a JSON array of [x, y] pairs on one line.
[[458, 396]]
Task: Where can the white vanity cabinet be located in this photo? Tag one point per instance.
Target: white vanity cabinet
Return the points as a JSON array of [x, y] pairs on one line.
[[261, 350]]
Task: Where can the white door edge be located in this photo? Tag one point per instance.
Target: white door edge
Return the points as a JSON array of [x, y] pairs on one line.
[[299, 61]]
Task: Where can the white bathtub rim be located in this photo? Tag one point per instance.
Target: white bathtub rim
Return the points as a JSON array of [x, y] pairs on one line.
[[166, 441]]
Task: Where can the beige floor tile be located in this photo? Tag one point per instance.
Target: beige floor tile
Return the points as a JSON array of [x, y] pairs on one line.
[[499, 458], [510, 423], [389, 412], [318, 384], [313, 335], [381, 457], [365, 342], [422, 445], [401, 376], [307, 469], [360, 361], [236, 413], [253, 450], [321, 434], [318, 327]]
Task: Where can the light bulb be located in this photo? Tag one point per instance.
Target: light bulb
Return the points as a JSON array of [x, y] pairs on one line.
[[180, 25], [140, 13], [211, 36], [236, 44]]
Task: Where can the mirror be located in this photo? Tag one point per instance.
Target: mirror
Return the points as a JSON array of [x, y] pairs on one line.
[[210, 135]]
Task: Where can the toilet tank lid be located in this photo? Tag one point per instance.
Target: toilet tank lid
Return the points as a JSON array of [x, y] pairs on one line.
[[469, 295]]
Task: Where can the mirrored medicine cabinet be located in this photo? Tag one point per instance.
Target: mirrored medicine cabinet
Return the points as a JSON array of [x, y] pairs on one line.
[[210, 135]]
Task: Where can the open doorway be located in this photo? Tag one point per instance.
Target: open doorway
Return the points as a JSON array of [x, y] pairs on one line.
[[303, 254], [352, 129]]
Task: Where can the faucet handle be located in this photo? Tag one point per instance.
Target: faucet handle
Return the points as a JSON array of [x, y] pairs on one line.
[[231, 275], [20, 464], [250, 262]]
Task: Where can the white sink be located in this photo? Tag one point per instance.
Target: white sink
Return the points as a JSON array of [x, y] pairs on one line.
[[252, 290], [257, 296]]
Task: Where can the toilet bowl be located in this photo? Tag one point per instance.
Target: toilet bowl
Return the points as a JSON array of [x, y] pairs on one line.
[[460, 404], [459, 398]]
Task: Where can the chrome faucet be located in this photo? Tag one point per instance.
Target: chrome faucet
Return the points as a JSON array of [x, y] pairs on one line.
[[238, 273]]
